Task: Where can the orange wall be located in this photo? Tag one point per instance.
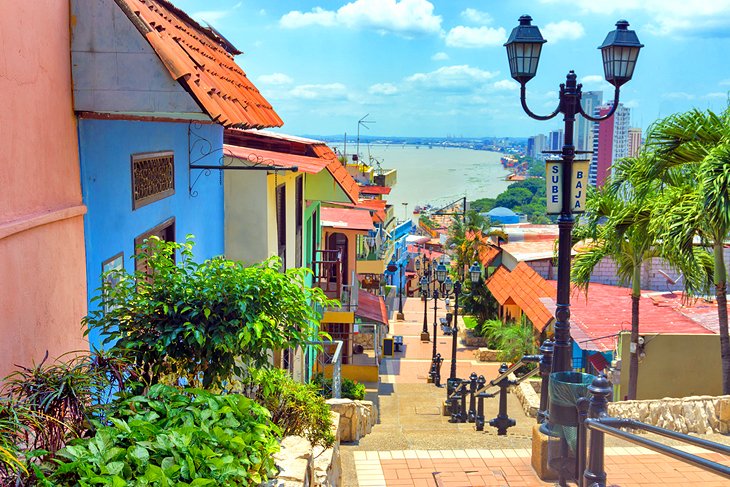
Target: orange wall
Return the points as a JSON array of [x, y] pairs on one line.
[[42, 277]]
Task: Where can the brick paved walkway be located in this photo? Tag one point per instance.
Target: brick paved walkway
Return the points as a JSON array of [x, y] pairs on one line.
[[413, 445]]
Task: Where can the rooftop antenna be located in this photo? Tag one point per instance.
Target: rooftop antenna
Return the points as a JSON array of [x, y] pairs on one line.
[[364, 123]]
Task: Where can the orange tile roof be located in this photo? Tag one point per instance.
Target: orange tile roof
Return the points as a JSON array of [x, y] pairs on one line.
[[371, 307], [376, 209], [526, 289], [487, 251], [339, 172], [201, 60], [346, 218]]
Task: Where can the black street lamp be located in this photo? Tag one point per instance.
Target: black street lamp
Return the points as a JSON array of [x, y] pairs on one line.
[[424, 282], [620, 51], [393, 267]]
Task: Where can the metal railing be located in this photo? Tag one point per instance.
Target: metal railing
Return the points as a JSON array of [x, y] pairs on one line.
[[594, 418], [330, 354]]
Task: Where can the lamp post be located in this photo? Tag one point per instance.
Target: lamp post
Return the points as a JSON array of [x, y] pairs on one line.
[[393, 267], [619, 51], [444, 282], [475, 273], [424, 282]]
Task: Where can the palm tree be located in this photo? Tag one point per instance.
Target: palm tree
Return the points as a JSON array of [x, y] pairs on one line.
[[692, 162], [616, 226]]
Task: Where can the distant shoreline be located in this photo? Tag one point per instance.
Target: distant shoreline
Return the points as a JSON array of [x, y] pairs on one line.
[[436, 176]]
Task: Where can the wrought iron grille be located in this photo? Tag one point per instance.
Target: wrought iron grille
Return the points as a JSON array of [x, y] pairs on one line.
[[153, 177]]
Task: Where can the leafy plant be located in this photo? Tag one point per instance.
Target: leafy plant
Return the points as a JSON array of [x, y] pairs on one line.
[[350, 389], [204, 322], [512, 339], [296, 408], [173, 437]]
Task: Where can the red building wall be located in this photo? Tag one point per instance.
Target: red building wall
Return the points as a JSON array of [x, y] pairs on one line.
[[42, 273]]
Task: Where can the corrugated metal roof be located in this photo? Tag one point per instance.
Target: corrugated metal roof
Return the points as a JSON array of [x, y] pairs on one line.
[[202, 62], [346, 218], [371, 307], [311, 156]]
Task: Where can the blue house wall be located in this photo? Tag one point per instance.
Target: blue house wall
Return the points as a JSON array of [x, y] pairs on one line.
[[111, 225]]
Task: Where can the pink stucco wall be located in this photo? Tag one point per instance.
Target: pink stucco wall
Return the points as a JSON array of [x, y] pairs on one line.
[[42, 277]]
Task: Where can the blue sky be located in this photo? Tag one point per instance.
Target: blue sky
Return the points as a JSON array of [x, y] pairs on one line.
[[438, 68]]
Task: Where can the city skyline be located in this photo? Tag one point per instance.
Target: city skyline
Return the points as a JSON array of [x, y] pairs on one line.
[[437, 68]]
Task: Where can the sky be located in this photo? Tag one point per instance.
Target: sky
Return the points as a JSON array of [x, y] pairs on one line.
[[438, 68]]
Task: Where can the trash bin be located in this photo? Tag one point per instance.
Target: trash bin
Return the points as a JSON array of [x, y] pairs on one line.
[[564, 390]]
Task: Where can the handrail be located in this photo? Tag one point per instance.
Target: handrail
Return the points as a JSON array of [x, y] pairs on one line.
[[462, 385], [604, 425], [599, 423]]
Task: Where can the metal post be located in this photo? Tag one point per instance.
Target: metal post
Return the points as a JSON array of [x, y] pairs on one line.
[[435, 307], [464, 392], [424, 331], [502, 421], [437, 376], [580, 448], [454, 401], [455, 332], [595, 474], [400, 294], [546, 362], [471, 416], [479, 418], [570, 102]]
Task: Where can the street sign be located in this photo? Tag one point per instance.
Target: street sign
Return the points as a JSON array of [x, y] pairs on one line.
[[554, 190]]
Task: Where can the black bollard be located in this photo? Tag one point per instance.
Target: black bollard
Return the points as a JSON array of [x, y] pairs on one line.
[[471, 415], [464, 393], [600, 390], [438, 360], [502, 421], [479, 418], [546, 364], [432, 371]]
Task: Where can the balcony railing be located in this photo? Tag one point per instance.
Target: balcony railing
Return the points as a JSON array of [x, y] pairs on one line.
[[327, 267]]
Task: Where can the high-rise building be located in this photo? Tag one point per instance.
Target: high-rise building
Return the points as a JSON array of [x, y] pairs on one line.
[[536, 145], [583, 135], [634, 141], [610, 142], [555, 139]]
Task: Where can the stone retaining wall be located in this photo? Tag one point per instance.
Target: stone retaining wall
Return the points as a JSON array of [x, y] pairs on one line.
[[357, 418], [484, 354], [696, 414], [470, 340], [364, 339]]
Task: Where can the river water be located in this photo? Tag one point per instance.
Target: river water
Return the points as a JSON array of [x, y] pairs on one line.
[[437, 176]]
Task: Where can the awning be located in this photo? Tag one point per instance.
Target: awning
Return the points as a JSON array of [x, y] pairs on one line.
[[371, 308], [346, 218]]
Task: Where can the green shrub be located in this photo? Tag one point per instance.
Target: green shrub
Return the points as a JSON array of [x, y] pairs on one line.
[[205, 322], [173, 437], [350, 389], [296, 408]]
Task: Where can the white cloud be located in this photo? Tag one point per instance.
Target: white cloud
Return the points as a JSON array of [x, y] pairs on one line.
[[460, 77], [319, 91], [725, 82], [592, 79], [276, 79], [383, 89], [476, 16], [565, 29], [399, 16], [681, 95], [440, 56], [214, 16], [669, 17], [506, 85], [472, 37], [318, 16]]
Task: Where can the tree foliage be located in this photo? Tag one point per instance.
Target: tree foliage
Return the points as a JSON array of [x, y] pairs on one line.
[[205, 322]]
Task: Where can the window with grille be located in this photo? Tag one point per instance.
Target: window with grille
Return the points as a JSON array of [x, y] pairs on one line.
[[153, 177], [165, 231], [281, 222]]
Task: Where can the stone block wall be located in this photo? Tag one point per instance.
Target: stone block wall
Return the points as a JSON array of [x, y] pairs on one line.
[[364, 339], [484, 354], [697, 414], [357, 418]]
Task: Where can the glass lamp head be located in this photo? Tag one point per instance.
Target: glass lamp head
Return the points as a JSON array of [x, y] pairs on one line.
[[475, 273], [620, 51], [523, 50], [441, 273]]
